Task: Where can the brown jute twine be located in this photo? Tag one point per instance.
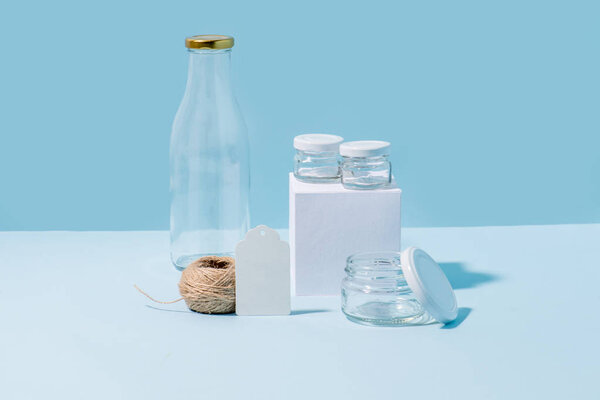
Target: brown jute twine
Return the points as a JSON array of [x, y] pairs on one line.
[[207, 285]]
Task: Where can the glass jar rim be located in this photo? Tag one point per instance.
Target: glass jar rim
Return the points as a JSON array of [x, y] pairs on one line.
[[374, 262]]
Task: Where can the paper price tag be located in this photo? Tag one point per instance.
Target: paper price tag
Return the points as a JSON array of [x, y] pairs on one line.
[[262, 273]]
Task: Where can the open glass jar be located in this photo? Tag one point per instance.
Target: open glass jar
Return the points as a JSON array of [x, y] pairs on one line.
[[393, 288]]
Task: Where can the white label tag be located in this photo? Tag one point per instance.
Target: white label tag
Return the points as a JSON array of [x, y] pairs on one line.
[[262, 274]]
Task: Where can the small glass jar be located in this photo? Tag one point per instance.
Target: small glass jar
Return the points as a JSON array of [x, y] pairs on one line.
[[366, 164], [375, 292], [317, 158]]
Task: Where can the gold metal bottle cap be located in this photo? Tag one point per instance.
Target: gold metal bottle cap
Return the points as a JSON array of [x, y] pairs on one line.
[[215, 42]]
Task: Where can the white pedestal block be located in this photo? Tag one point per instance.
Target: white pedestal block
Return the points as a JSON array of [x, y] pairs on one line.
[[329, 223]]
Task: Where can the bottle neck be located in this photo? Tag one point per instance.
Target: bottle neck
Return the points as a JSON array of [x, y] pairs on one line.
[[209, 72]]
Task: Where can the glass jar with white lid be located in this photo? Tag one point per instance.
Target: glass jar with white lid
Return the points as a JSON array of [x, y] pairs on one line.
[[366, 164], [396, 289], [317, 158]]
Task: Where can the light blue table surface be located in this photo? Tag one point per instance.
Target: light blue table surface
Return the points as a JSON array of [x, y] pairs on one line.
[[73, 327]]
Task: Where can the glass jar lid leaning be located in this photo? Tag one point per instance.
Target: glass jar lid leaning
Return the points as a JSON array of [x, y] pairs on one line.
[[317, 158], [397, 289]]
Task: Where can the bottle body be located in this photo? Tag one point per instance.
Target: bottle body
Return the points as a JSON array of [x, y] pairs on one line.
[[209, 163]]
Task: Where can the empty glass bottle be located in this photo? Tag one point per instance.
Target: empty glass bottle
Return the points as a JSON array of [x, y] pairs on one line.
[[208, 158]]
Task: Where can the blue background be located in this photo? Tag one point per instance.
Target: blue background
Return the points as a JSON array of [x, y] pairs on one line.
[[492, 107]]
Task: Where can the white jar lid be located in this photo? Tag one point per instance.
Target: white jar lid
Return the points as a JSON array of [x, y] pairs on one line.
[[365, 148], [317, 142], [429, 284]]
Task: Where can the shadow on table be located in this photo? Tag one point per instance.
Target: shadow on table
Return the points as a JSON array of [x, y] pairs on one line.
[[463, 313], [294, 312], [189, 312], [300, 312], [166, 309], [461, 278]]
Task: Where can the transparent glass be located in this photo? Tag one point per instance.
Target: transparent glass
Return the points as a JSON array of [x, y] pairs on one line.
[[209, 163], [375, 292], [366, 172], [317, 166]]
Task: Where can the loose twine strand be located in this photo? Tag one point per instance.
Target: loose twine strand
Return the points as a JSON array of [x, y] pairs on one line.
[[153, 299], [207, 285]]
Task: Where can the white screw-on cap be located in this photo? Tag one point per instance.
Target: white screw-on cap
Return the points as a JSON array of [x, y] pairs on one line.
[[365, 148], [317, 142], [429, 284]]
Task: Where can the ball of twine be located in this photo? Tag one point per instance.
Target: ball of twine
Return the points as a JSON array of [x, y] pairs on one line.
[[207, 285]]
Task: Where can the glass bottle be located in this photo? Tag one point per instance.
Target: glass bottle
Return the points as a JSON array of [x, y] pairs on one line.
[[209, 162]]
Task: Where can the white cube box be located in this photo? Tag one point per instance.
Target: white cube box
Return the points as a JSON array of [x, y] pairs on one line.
[[329, 223]]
